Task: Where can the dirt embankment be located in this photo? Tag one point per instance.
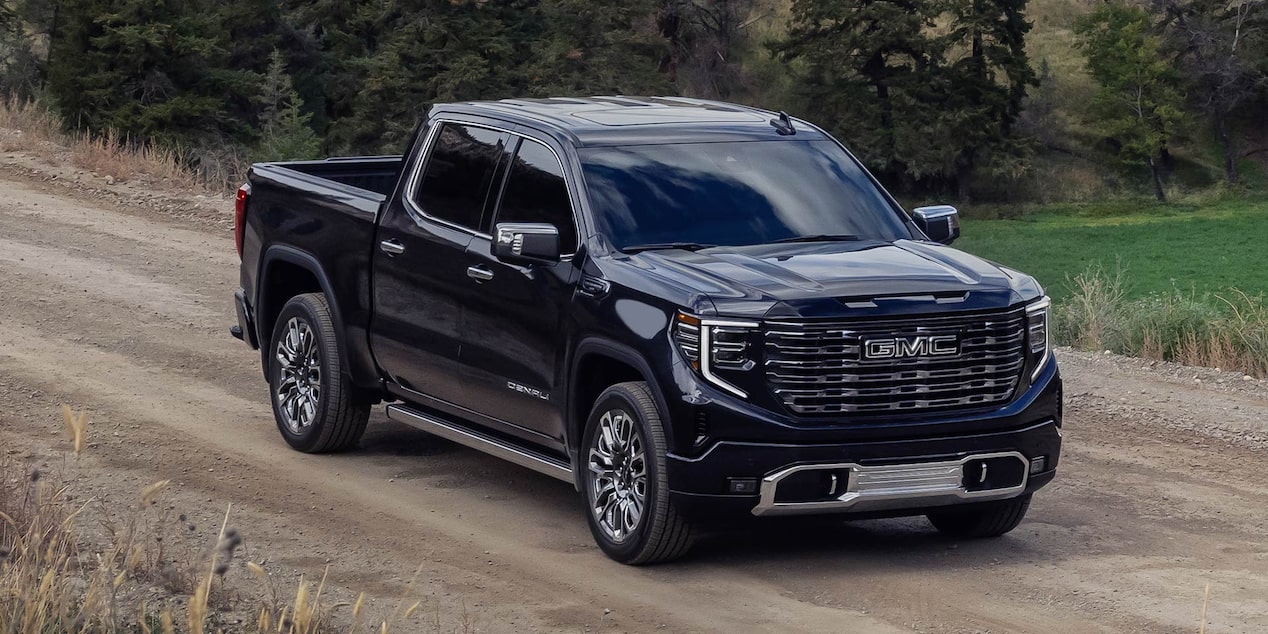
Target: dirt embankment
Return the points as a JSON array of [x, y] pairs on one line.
[[122, 309]]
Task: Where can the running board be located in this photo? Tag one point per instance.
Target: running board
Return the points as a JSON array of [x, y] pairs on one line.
[[481, 441]]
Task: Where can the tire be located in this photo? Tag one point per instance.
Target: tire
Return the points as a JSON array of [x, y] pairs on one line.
[[306, 359], [983, 520], [659, 533]]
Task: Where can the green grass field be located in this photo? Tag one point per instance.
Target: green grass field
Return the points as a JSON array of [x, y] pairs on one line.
[[1201, 247]]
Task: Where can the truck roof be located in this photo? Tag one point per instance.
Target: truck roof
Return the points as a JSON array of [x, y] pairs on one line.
[[598, 121]]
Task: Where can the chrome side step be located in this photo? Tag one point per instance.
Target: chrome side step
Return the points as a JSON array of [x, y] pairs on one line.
[[480, 441]]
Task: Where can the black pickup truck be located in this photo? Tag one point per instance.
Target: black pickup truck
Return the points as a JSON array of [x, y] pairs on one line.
[[692, 311]]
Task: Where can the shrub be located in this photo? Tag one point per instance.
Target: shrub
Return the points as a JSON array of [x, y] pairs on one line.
[[1227, 330]]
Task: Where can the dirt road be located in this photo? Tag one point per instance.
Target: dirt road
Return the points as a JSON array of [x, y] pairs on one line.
[[123, 312]]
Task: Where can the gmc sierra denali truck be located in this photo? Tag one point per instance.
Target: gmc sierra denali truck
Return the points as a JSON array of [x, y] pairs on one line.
[[690, 310]]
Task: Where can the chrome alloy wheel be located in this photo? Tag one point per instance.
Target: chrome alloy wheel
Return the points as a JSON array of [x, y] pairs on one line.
[[618, 475], [299, 385]]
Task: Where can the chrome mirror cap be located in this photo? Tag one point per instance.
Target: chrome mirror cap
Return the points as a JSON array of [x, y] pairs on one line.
[[526, 243], [941, 223]]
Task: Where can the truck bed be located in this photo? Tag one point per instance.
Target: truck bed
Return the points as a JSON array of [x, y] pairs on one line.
[[376, 174]]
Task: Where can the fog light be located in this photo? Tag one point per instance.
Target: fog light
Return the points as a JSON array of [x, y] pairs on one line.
[[742, 485], [1038, 465]]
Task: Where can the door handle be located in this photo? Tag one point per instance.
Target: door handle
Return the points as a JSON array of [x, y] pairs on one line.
[[392, 247], [479, 273]]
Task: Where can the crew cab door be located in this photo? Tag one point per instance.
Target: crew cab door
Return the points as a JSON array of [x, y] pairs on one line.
[[420, 258], [513, 330]]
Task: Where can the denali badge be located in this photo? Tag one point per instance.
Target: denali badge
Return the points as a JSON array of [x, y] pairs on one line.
[[912, 347], [524, 389]]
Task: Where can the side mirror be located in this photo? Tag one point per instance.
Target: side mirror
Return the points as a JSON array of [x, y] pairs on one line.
[[526, 243], [940, 222]]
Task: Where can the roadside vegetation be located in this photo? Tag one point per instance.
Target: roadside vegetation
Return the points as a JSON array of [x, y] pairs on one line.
[[70, 564], [1180, 281]]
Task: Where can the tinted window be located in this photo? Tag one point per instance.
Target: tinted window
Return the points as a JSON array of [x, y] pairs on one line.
[[535, 192], [735, 193], [459, 171]]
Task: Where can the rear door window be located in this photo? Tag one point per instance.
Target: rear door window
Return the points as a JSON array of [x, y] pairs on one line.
[[536, 192], [456, 180]]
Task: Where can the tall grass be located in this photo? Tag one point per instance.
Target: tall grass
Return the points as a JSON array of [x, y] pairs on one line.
[[1227, 330], [54, 579], [29, 126]]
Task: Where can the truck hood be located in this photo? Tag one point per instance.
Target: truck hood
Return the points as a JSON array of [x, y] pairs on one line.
[[847, 274]]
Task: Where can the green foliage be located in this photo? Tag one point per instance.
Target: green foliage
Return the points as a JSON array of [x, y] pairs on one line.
[[150, 70], [1206, 245], [923, 90], [936, 97], [1225, 329], [20, 68], [1224, 56], [864, 69], [285, 129], [591, 47], [1139, 104]]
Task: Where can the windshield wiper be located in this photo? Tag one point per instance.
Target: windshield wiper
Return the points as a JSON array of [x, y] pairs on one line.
[[823, 237], [665, 246]]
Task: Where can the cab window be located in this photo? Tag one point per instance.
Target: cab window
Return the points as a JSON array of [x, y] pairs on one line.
[[536, 192]]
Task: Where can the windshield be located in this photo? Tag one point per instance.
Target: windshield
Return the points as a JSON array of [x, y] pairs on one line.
[[736, 193]]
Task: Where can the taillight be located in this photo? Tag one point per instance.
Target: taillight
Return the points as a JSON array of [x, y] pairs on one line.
[[240, 215]]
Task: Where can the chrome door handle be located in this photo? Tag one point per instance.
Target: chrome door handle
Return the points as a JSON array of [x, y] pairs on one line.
[[479, 273], [392, 247]]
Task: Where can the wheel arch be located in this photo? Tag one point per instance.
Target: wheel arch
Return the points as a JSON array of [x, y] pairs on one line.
[[286, 272], [598, 364]]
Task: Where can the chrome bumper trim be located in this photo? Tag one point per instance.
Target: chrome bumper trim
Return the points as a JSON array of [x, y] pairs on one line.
[[891, 487]]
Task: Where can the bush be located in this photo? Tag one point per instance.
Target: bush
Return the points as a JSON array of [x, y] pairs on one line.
[[1227, 330]]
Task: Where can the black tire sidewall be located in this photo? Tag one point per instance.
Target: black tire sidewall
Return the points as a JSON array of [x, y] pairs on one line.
[[617, 397], [305, 309]]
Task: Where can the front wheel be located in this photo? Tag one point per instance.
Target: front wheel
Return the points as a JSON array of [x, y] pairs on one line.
[[981, 520], [313, 401], [626, 487]]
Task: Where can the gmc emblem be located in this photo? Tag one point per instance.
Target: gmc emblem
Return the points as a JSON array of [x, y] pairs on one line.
[[912, 347]]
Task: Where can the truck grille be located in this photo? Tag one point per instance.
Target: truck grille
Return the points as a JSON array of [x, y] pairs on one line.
[[817, 368]]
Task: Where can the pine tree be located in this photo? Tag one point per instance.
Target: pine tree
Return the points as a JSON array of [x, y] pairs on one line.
[[20, 69], [925, 92], [154, 71], [285, 129], [866, 70], [1139, 103], [987, 86], [582, 47]]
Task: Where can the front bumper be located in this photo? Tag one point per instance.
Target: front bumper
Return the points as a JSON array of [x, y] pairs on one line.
[[898, 469], [945, 482]]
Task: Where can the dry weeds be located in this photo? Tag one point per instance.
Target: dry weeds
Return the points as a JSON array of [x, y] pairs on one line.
[[1227, 330], [51, 582], [30, 127]]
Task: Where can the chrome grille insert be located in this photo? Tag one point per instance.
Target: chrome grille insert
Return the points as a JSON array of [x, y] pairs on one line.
[[816, 368]]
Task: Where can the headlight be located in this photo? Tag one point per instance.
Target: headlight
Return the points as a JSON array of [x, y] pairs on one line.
[[1037, 336], [715, 344]]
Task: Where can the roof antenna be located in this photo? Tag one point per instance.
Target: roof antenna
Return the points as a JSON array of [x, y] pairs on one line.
[[783, 125]]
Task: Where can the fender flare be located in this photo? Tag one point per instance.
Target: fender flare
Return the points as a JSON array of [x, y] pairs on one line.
[[602, 346], [307, 261]]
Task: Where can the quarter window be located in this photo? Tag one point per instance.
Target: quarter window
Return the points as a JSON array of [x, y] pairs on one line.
[[535, 192], [459, 171]]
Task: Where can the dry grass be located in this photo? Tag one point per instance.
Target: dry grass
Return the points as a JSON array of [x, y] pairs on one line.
[[1227, 330], [30, 127], [52, 580]]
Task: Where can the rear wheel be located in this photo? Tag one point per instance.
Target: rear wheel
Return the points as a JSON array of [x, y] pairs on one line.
[[985, 519], [626, 487], [314, 403]]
